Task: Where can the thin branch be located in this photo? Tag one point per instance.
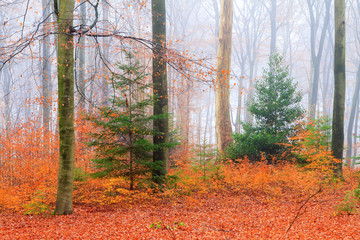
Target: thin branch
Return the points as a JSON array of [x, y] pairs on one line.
[[23, 25], [301, 207]]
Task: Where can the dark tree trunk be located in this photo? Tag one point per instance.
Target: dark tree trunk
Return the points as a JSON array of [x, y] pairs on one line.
[[337, 145], [161, 125]]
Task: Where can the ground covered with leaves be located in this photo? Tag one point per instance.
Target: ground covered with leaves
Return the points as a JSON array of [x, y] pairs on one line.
[[326, 213], [202, 198]]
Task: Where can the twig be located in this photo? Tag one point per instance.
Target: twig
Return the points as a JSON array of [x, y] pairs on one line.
[[219, 230], [298, 212]]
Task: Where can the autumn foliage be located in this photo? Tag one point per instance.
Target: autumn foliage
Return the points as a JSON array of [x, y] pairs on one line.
[[28, 175], [311, 147], [193, 187]]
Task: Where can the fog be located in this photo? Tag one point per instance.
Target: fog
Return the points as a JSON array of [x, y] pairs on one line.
[[301, 30]]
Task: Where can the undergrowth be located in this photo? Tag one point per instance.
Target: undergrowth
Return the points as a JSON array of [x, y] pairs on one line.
[[28, 177]]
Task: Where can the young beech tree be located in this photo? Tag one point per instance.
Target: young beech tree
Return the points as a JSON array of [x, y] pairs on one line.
[[122, 144], [275, 107]]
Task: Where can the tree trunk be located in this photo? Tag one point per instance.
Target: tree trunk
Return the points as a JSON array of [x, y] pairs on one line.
[[66, 108], [316, 54], [339, 86], [106, 41], [6, 89], [5, 78], [355, 131], [46, 67], [273, 27], [314, 89], [82, 61], [239, 106], [354, 104], [222, 92], [161, 125]]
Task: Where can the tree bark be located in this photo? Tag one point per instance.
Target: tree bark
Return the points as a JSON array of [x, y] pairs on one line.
[[66, 108], [222, 92], [337, 145], [161, 124]]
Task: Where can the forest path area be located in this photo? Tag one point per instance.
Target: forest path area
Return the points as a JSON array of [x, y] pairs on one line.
[[218, 216]]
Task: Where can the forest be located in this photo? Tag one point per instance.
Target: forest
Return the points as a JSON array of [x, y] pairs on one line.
[[179, 119]]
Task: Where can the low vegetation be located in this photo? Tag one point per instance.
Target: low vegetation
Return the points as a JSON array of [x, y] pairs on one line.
[[203, 196]]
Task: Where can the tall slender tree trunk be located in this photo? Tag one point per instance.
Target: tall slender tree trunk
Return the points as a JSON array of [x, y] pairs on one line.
[[354, 104], [66, 108], [314, 89], [106, 41], [5, 82], [273, 27], [316, 55], [250, 93], [6, 89], [82, 61], [239, 106], [46, 80], [161, 125], [222, 92], [356, 131], [337, 145]]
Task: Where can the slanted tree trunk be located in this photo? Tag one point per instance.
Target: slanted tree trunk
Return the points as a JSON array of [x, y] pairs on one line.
[[337, 146], [222, 92], [66, 108], [161, 125]]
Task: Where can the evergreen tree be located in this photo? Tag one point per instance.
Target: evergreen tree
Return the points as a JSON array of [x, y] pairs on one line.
[[276, 104], [275, 107], [123, 143]]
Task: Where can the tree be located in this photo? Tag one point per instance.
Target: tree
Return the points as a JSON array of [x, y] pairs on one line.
[[5, 81], [352, 130], [161, 125], [46, 80], [275, 107], [222, 93], [354, 103], [337, 142], [122, 144], [66, 107], [316, 55], [273, 27], [249, 21], [82, 62]]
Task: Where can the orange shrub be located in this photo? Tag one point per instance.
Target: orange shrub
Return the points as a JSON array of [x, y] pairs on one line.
[[312, 147], [29, 164]]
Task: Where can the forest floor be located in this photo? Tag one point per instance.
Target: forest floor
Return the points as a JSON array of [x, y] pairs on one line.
[[212, 216]]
